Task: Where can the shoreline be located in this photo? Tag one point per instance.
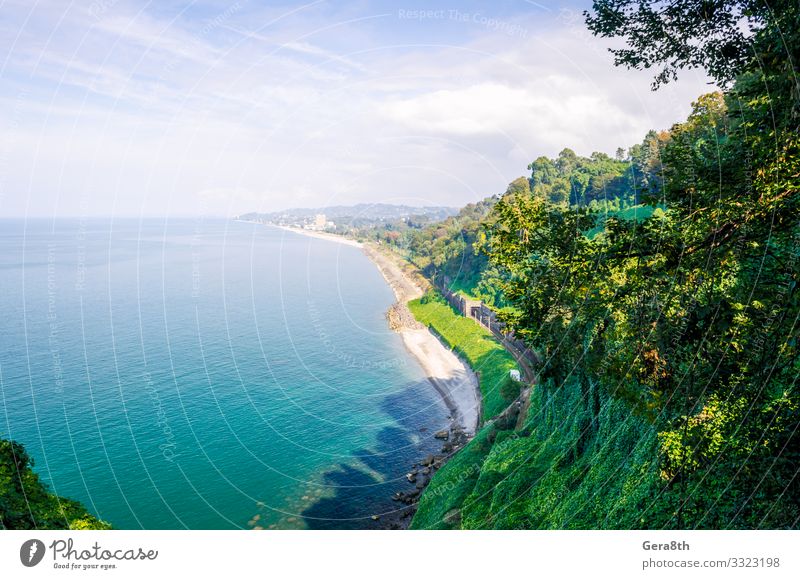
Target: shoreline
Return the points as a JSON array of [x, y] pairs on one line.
[[319, 235], [452, 378]]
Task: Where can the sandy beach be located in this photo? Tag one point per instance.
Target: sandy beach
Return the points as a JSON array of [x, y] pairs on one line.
[[452, 378], [321, 235]]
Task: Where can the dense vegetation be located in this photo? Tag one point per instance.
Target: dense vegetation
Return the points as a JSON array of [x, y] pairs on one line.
[[452, 251], [668, 393], [26, 503]]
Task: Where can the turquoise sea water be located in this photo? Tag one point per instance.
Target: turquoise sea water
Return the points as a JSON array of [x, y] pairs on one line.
[[207, 374]]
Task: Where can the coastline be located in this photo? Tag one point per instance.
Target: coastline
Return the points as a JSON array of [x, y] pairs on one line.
[[320, 235], [452, 378]]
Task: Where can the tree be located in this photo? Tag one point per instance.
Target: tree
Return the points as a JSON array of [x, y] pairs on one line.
[[567, 161], [26, 503], [519, 186], [715, 35], [543, 172]]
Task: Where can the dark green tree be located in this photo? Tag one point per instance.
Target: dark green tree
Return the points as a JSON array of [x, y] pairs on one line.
[[26, 503]]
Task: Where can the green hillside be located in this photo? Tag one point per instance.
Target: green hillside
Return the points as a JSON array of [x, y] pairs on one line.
[[660, 289]]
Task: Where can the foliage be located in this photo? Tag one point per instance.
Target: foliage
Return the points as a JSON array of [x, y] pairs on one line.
[[26, 503], [447, 251], [716, 35], [669, 337], [570, 179], [574, 466]]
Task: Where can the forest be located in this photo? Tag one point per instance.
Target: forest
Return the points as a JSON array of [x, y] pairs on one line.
[[659, 288]]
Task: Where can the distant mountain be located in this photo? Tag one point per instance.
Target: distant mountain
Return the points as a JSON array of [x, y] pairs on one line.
[[353, 215]]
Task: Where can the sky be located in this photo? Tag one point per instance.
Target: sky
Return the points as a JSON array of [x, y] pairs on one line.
[[219, 107]]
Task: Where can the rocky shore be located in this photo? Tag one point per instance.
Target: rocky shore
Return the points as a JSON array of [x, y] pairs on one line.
[[452, 378], [418, 477]]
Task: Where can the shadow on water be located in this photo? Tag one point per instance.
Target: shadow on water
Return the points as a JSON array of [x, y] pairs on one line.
[[366, 488]]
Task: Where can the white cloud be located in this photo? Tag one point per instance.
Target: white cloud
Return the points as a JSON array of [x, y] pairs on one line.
[[151, 114], [485, 108]]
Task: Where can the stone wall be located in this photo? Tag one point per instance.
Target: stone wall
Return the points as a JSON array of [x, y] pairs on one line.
[[486, 317]]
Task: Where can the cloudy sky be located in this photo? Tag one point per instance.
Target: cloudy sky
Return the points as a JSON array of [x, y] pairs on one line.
[[217, 107]]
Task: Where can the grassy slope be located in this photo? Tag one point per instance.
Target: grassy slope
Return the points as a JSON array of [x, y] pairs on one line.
[[452, 484], [464, 287], [634, 213], [567, 468], [581, 461], [478, 347]]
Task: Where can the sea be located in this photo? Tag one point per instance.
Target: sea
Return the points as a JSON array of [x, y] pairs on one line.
[[207, 374]]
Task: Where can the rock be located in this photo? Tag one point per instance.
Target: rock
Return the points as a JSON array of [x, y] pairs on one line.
[[426, 470], [427, 461], [442, 434], [447, 447]]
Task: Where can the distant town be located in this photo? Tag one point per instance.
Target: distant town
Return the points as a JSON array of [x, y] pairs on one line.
[[316, 222], [365, 220]]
